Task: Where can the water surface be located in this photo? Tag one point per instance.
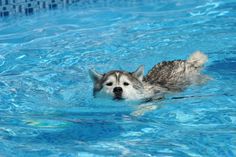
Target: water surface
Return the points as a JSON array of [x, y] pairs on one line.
[[46, 103]]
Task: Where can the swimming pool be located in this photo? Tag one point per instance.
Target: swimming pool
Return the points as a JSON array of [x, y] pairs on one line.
[[46, 103]]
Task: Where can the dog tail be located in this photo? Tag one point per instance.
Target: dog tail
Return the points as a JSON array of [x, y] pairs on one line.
[[197, 58]]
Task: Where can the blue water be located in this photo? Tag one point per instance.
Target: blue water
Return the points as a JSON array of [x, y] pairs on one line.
[[46, 103]]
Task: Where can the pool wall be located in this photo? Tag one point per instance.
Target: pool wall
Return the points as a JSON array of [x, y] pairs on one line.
[[28, 7]]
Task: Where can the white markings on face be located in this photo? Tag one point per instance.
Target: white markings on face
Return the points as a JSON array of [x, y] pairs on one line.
[[129, 92], [122, 81], [117, 75], [109, 85]]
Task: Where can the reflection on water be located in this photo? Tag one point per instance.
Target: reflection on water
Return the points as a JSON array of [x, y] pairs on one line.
[[46, 102]]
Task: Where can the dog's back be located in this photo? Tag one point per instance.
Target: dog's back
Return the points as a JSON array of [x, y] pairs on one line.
[[176, 75]]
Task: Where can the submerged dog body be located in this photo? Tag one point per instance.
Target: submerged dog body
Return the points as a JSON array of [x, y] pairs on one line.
[[167, 76]]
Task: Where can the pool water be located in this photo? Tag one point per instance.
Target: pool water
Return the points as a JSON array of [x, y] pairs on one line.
[[46, 102]]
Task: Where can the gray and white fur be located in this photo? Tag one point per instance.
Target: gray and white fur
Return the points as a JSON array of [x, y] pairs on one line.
[[167, 76]]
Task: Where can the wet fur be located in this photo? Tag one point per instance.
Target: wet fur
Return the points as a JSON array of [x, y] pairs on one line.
[[167, 76], [177, 75]]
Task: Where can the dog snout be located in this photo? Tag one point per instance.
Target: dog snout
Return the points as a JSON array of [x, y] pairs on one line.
[[117, 90]]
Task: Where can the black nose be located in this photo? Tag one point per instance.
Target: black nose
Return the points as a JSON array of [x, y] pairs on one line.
[[117, 90]]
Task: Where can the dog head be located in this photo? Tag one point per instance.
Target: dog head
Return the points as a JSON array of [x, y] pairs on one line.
[[117, 84]]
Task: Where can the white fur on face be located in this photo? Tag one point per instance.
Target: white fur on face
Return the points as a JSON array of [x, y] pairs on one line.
[[107, 91], [129, 92], [123, 81]]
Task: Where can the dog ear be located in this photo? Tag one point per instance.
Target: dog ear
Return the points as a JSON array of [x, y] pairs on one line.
[[139, 73], [94, 75]]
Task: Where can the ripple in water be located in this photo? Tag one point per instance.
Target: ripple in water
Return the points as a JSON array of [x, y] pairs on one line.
[[47, 108]]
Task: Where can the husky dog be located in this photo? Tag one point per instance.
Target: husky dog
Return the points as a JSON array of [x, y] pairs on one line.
[[167, 76]]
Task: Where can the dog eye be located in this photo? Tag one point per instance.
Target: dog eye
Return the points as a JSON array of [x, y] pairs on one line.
[[126, 83], [109, 84]]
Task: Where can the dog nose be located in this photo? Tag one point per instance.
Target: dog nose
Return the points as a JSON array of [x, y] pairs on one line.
[[117, 90]]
